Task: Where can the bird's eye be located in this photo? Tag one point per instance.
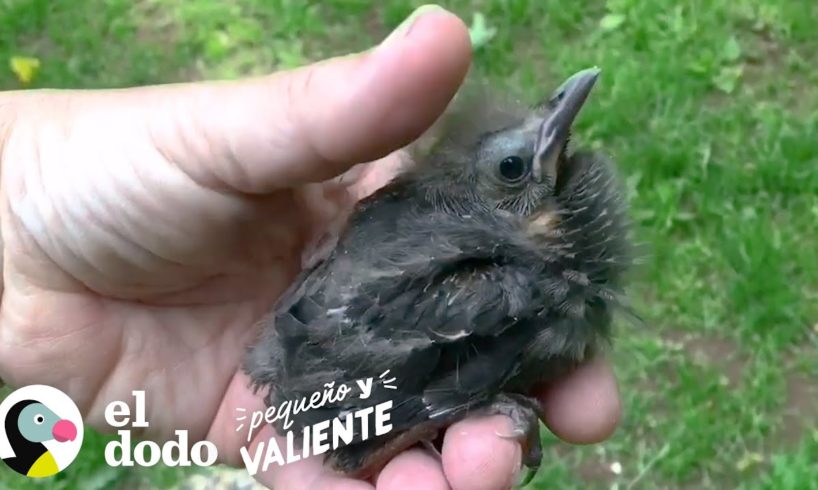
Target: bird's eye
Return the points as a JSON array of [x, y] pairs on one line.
[[513, 168], [39, 419]]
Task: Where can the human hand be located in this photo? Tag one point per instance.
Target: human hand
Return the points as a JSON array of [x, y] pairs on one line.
[[146, 231]]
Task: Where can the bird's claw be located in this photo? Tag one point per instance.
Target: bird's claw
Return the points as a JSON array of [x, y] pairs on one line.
[[430, 447], [525, 414], [516, 434]]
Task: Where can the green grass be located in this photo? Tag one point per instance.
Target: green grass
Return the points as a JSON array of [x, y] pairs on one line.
[[711, 109]]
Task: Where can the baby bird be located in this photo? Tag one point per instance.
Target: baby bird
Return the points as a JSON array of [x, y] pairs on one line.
[[491, 266]]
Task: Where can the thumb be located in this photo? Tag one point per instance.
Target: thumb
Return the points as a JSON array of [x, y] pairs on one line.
[[315, 122]]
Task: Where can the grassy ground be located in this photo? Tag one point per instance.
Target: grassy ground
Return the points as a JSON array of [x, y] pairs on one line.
[[711, 107]]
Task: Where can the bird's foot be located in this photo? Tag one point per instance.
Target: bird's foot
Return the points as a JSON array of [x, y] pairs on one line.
[[525, 414]]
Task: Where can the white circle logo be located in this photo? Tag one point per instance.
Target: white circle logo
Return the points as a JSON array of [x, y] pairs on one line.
[[40, 431]]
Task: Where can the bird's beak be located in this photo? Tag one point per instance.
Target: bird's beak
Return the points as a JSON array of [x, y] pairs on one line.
[[565, 104], [64, 430]]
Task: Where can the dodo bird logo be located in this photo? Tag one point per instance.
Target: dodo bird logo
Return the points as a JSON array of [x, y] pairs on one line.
[[40, 431]]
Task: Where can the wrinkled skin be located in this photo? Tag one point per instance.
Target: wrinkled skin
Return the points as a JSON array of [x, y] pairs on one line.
[[146, 231]]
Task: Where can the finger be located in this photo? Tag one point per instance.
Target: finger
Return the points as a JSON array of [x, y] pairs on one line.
[[414, 468], [314, 122], [476, 457], [584, 407], [304, 473], [234, 423]]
